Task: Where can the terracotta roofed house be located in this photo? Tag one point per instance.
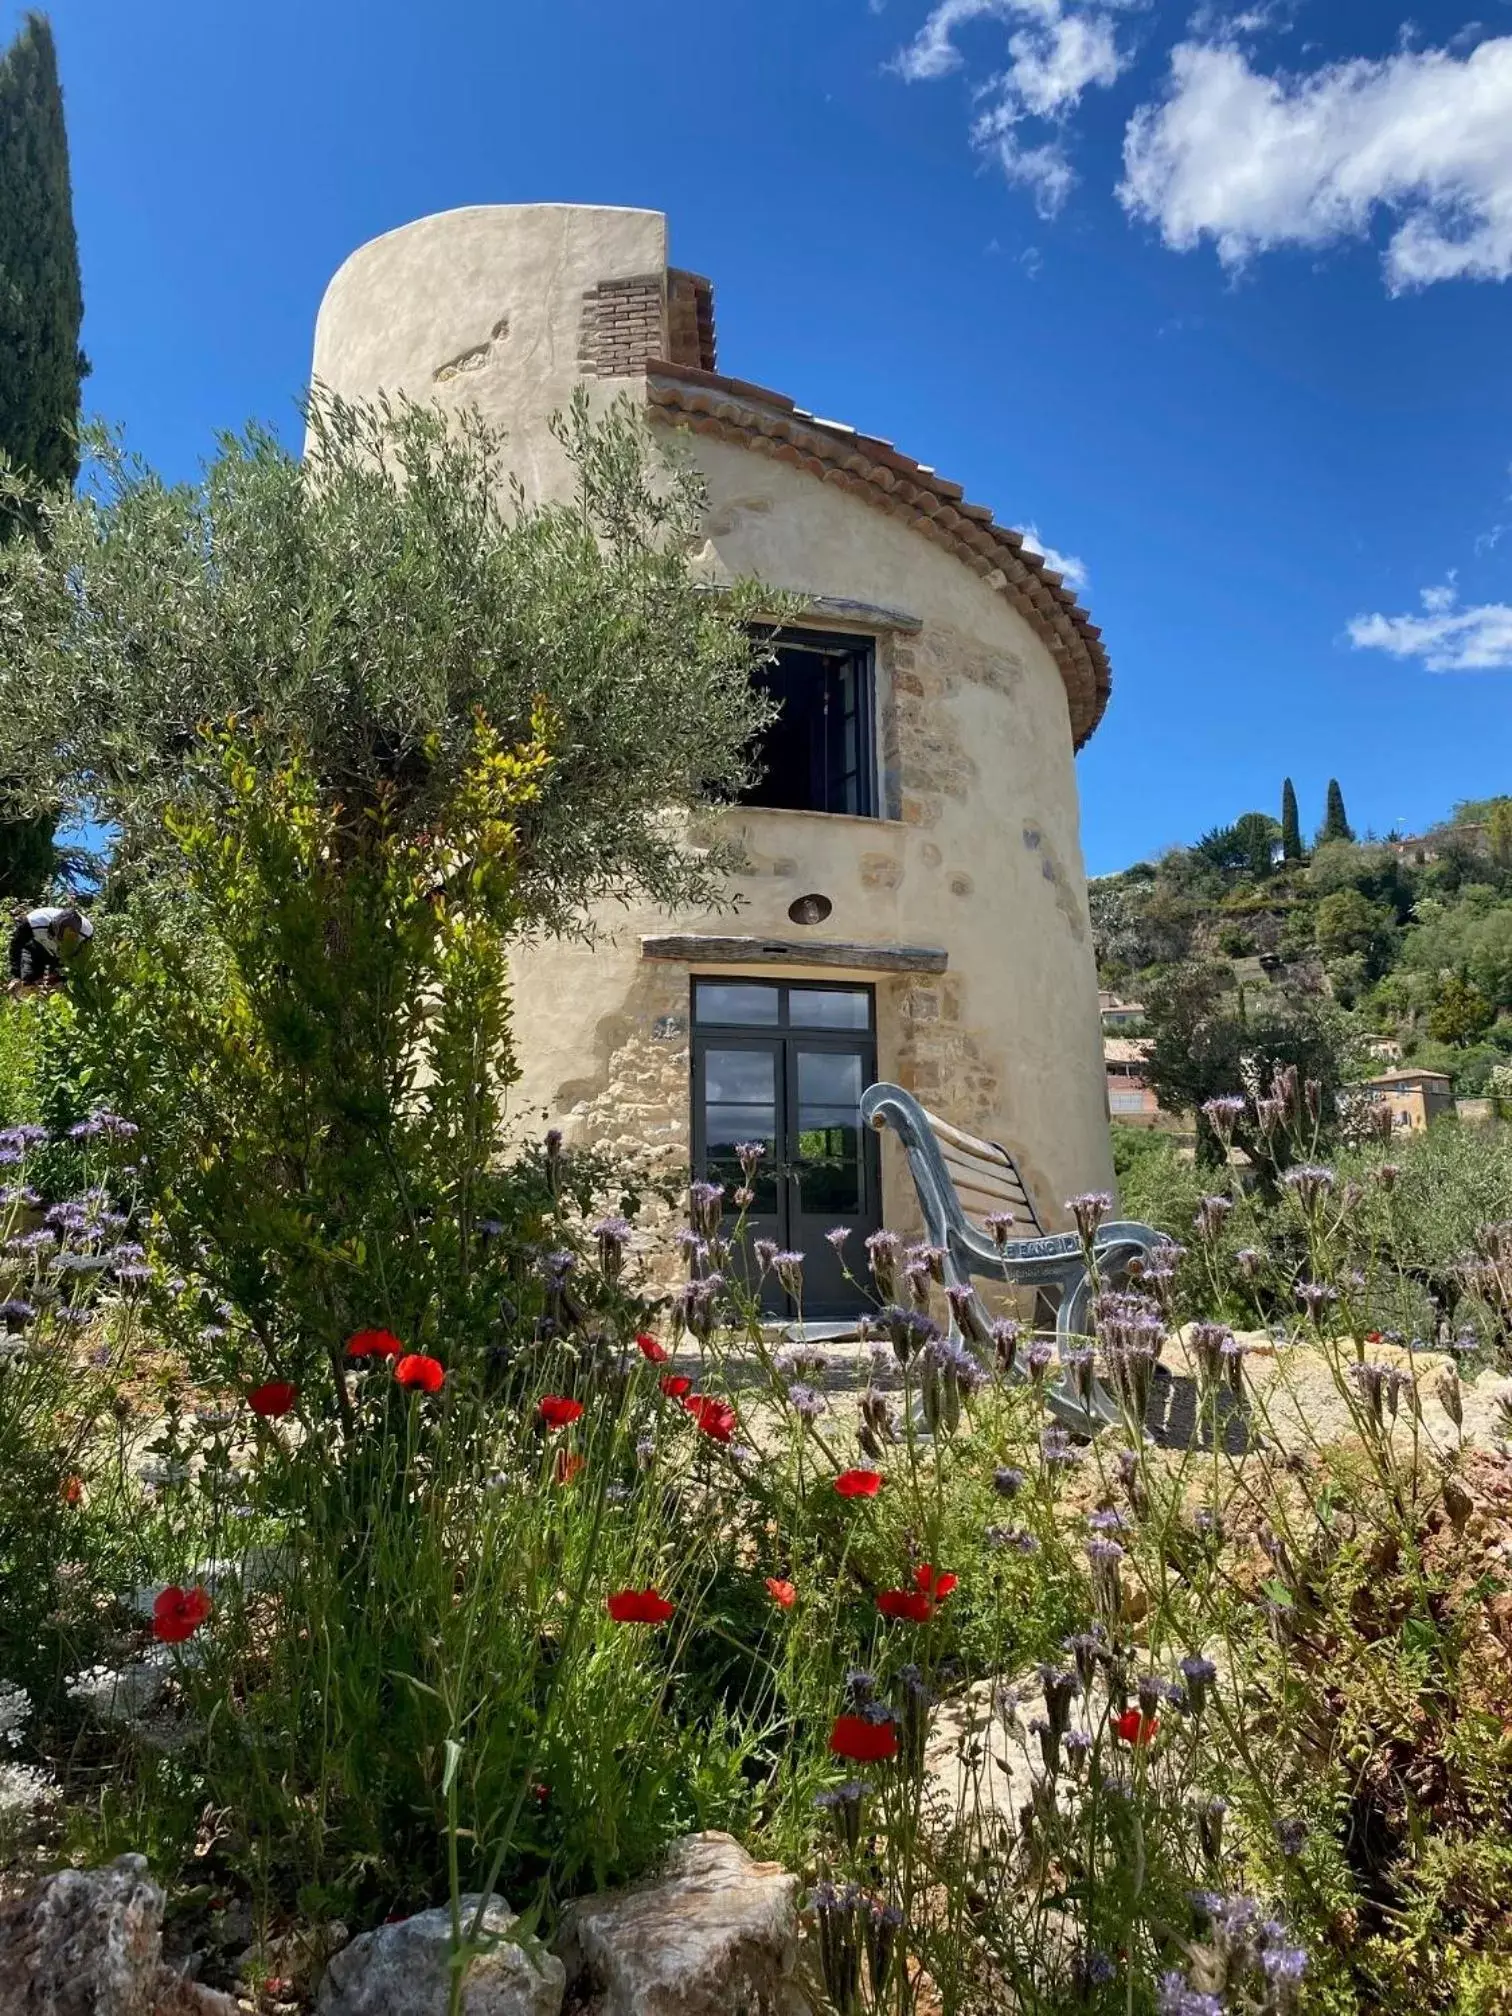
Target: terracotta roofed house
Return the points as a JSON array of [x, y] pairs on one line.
[[913, 905], [1412, 1096]]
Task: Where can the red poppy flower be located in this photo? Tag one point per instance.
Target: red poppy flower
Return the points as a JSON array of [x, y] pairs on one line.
[[71, 1490], [559, 1413], [567, 1465], [1372, 1336], [638, 1606], [178, 1613], [909, 1603], [715, 1417], [415, 1369], [859, 1483], [1136, 1727], [374, 1344], [935, 1586], [862, 1741], [783, 1594], [675, 1386], [650, 1349], [274, 1399], [541, 1794]]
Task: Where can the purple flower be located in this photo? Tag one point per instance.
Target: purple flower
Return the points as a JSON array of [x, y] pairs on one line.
[[1000, 1224], [748, 1154], [1007, 1481], [16, 1314], [1012, 1537], [1284, 1966], [613, 1235], [884, 1250], [930, 1258], [1176, 1997], [1291, 1835], [837, 1236], [1089, 1210], [1057, 1449], [805, 1402], [1224, 1113], [909, 1329], [788, 1267], [705, 1207], [1211, 1213], [1003, 1334], [103, 1122], [1310, 1184], [1315, 1297]]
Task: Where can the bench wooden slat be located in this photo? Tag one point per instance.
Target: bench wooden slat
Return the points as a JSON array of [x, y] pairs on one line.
[[983, 1170]]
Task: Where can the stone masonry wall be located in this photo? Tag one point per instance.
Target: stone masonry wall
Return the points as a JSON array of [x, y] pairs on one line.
[[633, 1100]]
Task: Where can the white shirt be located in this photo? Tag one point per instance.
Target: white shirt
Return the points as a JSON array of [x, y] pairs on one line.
[[44, 924]]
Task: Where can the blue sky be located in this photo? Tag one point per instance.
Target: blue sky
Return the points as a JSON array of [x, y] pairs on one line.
[[1217, 299]]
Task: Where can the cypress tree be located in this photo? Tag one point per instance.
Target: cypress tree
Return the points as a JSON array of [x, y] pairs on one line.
[[1335, 825], [1291, 830], [41, 304], [41, 364]]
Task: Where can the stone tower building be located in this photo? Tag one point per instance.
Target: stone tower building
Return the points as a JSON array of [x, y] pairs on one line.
[[914, 906]]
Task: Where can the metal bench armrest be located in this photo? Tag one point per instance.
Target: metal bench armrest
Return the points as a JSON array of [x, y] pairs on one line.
[[1050, 1260]]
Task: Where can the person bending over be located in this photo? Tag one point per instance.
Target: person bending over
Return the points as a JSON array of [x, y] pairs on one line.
[[42, 943]]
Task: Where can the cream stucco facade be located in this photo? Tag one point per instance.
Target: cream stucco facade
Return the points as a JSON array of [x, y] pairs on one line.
[[985, 676]]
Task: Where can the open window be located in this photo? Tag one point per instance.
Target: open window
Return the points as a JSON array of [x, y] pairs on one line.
[[816, 756]]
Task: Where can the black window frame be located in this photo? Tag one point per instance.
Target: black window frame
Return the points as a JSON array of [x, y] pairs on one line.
[[856, 651], [777, 1037]]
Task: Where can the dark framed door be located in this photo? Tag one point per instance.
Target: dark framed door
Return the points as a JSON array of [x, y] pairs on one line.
[[784, 1064]]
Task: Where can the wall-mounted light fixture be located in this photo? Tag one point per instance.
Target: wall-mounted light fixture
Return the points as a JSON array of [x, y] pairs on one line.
[[810, 909]]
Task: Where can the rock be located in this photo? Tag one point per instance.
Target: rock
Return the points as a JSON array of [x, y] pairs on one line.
[[401, 1970], [89, 1942], [715, 1934]]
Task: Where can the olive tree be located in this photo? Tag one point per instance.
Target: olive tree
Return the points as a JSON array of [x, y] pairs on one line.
[[360, 722], [359, 607]]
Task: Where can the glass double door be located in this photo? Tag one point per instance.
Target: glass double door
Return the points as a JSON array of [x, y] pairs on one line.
[[783, 1065]]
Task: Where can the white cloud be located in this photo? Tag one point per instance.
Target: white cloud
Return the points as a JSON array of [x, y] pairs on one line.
[[1071, 570], [1446, 637], [1056, 49], [932, 53], [1254, 162]]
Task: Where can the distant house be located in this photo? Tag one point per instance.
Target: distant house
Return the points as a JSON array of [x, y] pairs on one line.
[[1421, 848], [1414, 1097], [1130, 1099], [1386, 1048], [1118, 1014]]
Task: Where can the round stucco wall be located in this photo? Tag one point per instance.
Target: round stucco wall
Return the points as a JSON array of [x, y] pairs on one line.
[[483, 307], [981, 858], [979, 852]]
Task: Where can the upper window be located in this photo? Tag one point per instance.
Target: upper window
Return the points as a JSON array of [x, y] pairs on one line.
[[816, 755]]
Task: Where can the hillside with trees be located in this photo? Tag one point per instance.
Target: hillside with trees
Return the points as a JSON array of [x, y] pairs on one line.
[[1251, 938]]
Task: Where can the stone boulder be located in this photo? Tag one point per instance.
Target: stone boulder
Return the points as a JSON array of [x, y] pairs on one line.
[[715, 1934], [401, 1970], [89, 1942]]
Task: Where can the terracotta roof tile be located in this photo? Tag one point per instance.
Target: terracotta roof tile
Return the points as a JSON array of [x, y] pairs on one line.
[[751, 416]]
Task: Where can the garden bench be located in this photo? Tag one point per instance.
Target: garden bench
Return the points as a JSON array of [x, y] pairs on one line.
[[960, 1178]]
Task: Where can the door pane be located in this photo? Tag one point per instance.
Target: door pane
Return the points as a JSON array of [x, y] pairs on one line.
[[828, 1131], [740, 1104], [751, 1003], [741, 1078], [829, 1008]]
